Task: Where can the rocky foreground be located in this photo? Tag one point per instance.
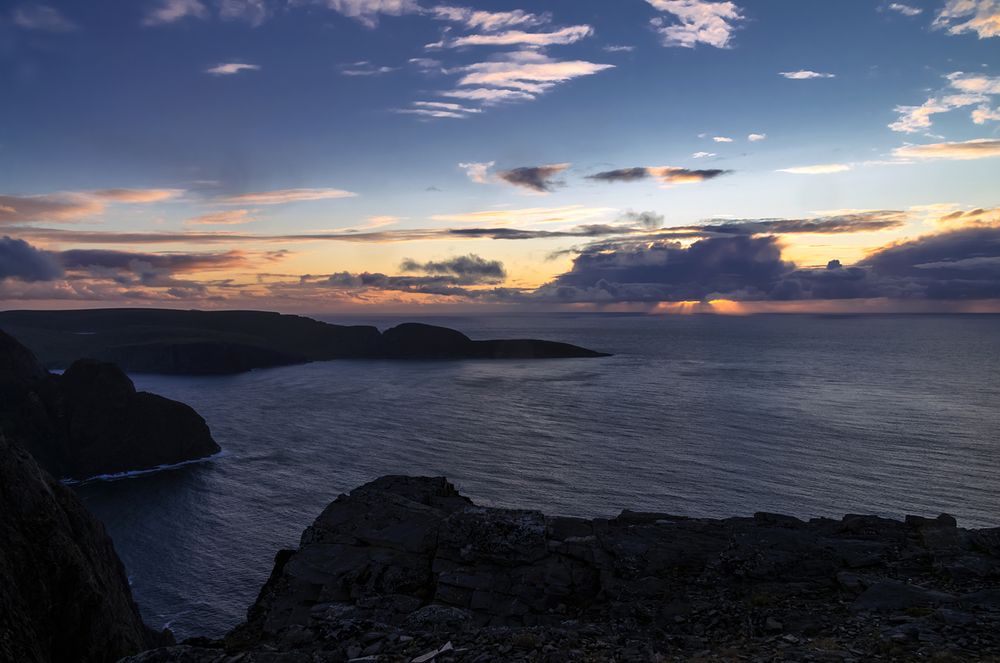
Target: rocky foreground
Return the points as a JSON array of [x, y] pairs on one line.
[[406, 569]]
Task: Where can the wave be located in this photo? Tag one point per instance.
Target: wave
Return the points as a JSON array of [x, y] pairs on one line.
[[132, 474]]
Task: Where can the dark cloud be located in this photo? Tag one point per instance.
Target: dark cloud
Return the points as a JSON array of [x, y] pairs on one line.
[[469, 266], [424, 285], [536, 178], [21, 260], [956, 265], [665, 174], [667, 271], [841, 223], [82, 259]]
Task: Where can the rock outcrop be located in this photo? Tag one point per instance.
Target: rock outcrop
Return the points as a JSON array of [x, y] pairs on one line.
[[63, 591], [406, 569], [219, 342], [91, 420]]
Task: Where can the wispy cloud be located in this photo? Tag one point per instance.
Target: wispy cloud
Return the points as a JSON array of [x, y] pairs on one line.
[[562, 36], [756, 138], [805, 74], [905, 10], [365, 68], [702, 155], [171, 11], [696, 22], [367, 12], [818, 169], [535, 178], [282, 196], [475, 19], [227, 218], [478, 171], [43, 18], [74, 205], [487, 95], [617, 48], [529, 216], [979, 148], [979, 16], [665, 174], [967, 90], [439, 109], [527, 71], [231, 68]]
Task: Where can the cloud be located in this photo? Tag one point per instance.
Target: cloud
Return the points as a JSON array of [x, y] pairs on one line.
[[227, 218], [527, 216], [171, 11], [526, 71], [818, 169], [980, 148], [805, 74], [535, 178], [488, 95], [282, 196], [665, 174], [364, 68], [756, 138], [439, 109], [985, 114], [956, 265], [617, 48], [478, 172], [562, 36], [979, 16], [20, 260], [469, 266], [905, 10], [972, 90], [667, 271], [136, 195], [697, 22], [367, 12], [43, 18], [230, 68], [254, 12], [147, 263], [49, 207], [489, 21], [722, 139], [703, 155]]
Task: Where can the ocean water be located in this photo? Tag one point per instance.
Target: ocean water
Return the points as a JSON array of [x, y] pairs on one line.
[[694, 415]]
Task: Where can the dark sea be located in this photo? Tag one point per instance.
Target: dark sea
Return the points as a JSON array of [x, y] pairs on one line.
[[693, 415]]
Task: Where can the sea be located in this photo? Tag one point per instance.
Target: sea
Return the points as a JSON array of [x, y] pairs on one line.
[[699, 415]]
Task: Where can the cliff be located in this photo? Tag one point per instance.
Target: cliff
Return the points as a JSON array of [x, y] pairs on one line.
[[91, 420], [218, 342], [407, 569], [64, 595]]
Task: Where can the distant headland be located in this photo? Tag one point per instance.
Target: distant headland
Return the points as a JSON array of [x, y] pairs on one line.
[[195, 342]]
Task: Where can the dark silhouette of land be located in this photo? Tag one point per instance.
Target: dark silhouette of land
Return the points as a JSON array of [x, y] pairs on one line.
[[218, 342], [91, 420]]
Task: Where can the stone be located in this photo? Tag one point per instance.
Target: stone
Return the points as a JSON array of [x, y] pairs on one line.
[[894, 595]]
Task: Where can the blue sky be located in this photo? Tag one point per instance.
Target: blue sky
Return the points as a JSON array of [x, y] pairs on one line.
[[223, 130]]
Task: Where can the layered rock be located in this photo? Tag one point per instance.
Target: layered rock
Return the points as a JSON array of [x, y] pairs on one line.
[[406, 569], [64, 595], [91, 420], [217, 342]]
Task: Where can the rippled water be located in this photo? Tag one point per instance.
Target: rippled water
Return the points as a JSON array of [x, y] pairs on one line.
[[700, 415]]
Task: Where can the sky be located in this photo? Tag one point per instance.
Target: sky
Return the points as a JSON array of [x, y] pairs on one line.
[[658, 156]]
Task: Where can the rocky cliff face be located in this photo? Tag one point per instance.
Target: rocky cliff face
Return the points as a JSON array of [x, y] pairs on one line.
[[63, 592], [91, 420], [406, 569]]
